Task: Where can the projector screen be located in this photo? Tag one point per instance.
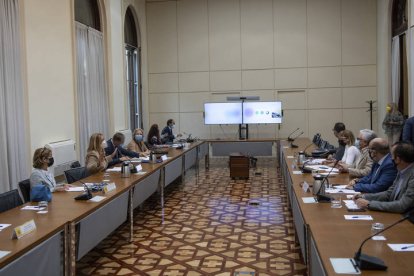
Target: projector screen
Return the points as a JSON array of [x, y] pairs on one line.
[[262, 112], [222, 113]]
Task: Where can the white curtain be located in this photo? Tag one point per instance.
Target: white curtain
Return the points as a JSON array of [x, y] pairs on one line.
[[395, 69], [92, 96], [13, 160], [410, 40]]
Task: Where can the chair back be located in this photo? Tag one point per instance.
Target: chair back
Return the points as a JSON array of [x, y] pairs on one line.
[[24, 187], [9, 200], [75, 174]]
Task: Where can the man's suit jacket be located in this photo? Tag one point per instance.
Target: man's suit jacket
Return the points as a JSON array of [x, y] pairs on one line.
[[386, 201], [167, 135], [121, 152], [362, 166], [408, 130], [378, 181]]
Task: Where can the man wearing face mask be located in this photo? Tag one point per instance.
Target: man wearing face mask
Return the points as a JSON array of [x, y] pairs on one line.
[[399, 198], [121, 154], [167, 135], [363, 164], [383, 171]]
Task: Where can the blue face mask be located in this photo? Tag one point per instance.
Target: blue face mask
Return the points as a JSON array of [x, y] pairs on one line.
[[139, 138]]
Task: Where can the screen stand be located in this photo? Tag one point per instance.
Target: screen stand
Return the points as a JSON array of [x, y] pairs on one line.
[[243, 131]]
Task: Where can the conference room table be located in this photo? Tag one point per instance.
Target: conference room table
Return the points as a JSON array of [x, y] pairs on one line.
[[71, 228], [323, 232]]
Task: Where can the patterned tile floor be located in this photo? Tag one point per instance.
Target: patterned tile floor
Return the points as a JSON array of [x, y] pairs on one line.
[[210, 225]]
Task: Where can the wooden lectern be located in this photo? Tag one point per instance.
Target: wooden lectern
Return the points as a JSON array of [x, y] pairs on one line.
[[239, 165]]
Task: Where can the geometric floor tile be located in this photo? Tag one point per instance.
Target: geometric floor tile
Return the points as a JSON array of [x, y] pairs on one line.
[[210, 225]]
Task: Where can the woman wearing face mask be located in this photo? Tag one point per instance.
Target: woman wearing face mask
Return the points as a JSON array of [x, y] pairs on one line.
[[137, 144], [42, 160], [393, 123], [95, 160]]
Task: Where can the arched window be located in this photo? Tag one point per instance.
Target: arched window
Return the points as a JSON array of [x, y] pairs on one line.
[[399, 68], [92, 95], [133, 70]]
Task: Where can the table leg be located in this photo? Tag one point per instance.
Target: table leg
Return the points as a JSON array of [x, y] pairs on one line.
[[131, 215]]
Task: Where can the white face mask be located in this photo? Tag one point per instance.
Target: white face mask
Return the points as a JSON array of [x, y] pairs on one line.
[[173, 125], [104, 144]]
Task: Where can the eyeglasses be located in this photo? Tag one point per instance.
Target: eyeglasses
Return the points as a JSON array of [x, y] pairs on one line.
[[371, 150]]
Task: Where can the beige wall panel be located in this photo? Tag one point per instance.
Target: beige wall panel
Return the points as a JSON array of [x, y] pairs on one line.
[[322, 121], [265, 95], [291, 78], [292, 99], [324, 32], [257, 34], [359, 29], [224, 34], [167, 82], [161, 120], [193, 123], [224, 131], [290, 33], [356, 119], [192, 24], [225, 80], [193, 102], [358, 96], [164, 102], [162, 37], [324, 98], [324, 77], [195, 81], [359, 75], [293, 119], [257, 79], [262, 131], [49, 72]]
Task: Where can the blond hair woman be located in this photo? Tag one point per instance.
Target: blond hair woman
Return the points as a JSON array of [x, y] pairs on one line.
[[137, 144], [95, 160]]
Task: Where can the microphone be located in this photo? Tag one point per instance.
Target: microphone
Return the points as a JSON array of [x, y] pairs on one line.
[[366, 262], [323, 198], [304, 150], [289, 138], [85, 196], [293, 139]]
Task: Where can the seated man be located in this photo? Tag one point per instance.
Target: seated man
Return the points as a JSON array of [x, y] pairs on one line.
[[115, 144], [167, 136], [340, 150], [363, 164], [382, 173], [399, 198]]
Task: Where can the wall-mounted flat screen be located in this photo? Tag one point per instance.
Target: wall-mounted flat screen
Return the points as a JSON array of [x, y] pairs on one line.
[[262, 112], [223, 113]]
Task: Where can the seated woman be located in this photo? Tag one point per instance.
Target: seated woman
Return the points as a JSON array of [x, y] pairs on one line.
[[351, 152], [153, 137], [137, 144], [95, 160], [42, 159]]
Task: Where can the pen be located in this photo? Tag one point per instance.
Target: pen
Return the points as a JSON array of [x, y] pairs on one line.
[[406, 247], [354, 265], [355, 217]]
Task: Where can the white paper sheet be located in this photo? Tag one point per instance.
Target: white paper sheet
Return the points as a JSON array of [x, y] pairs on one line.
[[309, 199], [344, 266], [290, 157], [141, 173], [97, 198], [4, 253], [340, 191], [322, 168], [297, 172], [379, 238], [358, 217], [114, 169], [4, 226], [75, 189], [401, 246], [32, 208]]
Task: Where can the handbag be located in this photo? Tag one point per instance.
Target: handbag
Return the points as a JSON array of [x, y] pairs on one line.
[[40, 192]]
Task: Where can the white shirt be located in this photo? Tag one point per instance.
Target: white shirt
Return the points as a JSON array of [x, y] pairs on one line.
[[351, 154]]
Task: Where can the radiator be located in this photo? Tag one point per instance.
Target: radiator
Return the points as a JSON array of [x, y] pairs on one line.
[[128, 136], [64, 154]]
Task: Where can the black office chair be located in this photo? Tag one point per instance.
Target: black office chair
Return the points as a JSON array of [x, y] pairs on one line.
[[9, 200], [24, 187], [76, 174]]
